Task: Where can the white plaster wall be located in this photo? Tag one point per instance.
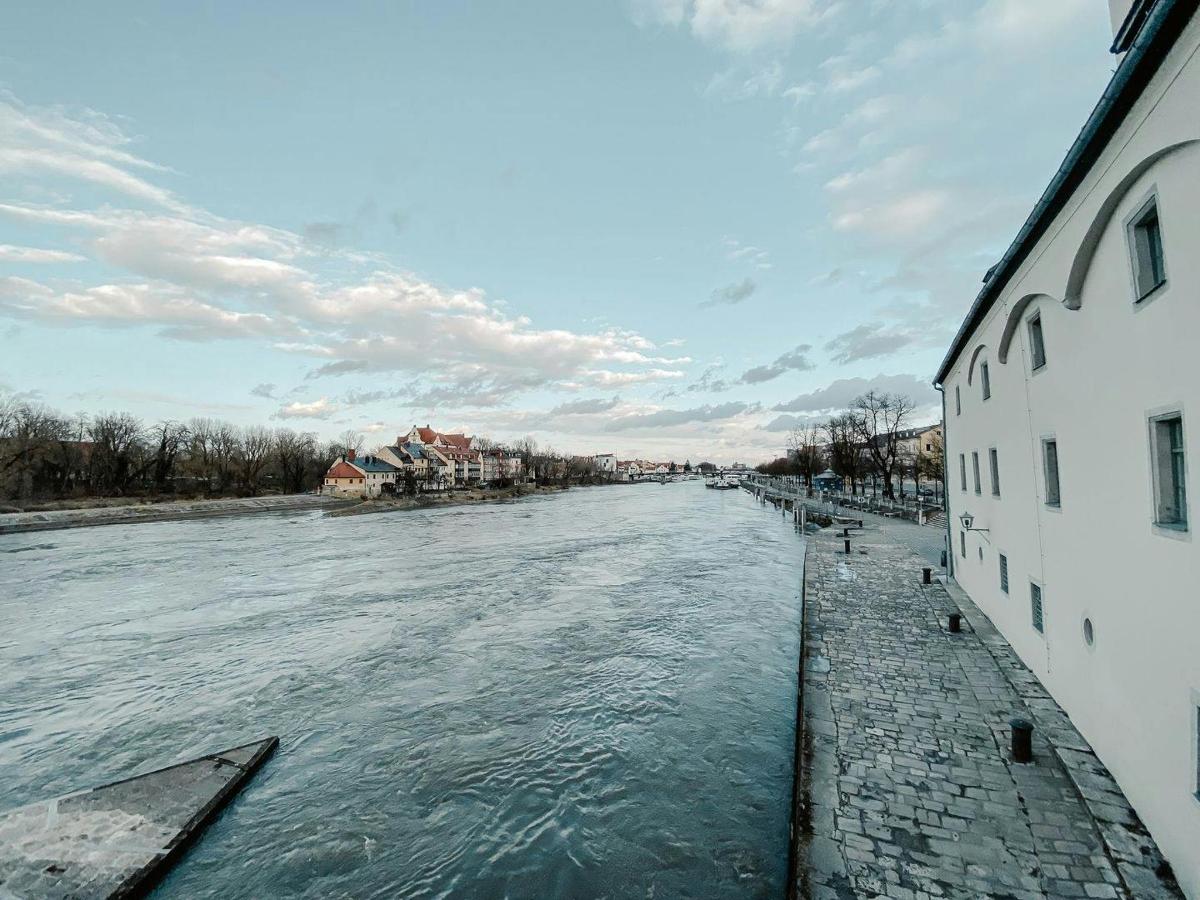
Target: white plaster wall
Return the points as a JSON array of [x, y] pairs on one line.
[[1111, 363]]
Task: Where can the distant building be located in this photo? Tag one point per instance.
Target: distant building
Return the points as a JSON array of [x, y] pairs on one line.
[[606, 463], [367, 476], [1072, 412]]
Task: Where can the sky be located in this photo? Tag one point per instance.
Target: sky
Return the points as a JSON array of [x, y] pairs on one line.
[[657, 228]]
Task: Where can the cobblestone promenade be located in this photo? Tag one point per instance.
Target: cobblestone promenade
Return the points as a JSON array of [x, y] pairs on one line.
[[907, 785]]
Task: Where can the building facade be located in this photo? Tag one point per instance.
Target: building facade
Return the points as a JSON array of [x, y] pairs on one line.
[[1072, 415]]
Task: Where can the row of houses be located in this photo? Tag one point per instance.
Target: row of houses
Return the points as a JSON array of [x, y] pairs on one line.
[[429, 459]]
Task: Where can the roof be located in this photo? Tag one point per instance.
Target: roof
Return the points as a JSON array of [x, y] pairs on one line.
[[343, 470], [416, 451], [1161, 24], [427, 434], [373, 464]]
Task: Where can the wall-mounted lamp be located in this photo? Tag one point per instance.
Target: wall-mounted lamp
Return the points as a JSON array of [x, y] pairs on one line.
[[968, 520]]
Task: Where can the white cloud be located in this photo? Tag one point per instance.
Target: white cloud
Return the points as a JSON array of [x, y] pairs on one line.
[[738, 25], [315, 409], [11, 253]]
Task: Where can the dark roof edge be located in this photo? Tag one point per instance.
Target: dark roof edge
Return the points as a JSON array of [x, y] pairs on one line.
[[1134, 20], [1164, 23]]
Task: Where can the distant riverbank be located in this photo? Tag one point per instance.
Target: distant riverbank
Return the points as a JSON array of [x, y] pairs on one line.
[[50, 520], [446, 498], [126, 513]]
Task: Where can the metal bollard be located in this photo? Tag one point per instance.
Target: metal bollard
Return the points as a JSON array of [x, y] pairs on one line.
[[943, 559], [955, 623], [1022, 740], [926, 575], [847, 546]]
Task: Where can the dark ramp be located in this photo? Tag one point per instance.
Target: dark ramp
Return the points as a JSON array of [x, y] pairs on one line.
[[119, 839]]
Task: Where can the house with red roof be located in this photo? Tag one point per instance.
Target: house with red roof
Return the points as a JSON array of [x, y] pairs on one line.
[[366, 476]]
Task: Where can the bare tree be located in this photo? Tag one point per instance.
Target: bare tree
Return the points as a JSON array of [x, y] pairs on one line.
[[170, 438], [254, 448], [804, 450], [845, 456], [116, 452], [879, 418], [351, 440], [293, 455]]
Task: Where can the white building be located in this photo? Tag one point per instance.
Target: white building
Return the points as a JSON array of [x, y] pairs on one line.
[[606, 464], [1072, 416]]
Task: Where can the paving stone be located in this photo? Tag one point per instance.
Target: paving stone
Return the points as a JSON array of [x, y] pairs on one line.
[[905, 746]]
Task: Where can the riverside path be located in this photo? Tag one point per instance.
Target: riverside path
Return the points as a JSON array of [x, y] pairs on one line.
[[906, 786]]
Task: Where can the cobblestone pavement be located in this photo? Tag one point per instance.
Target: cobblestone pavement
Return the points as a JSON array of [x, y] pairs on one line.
[[907, 788]]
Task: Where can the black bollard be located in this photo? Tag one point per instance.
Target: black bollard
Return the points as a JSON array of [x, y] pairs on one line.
[[955, 623], [943, 559], [847, 546], [927, 575], [845, 532], [1022, 740]]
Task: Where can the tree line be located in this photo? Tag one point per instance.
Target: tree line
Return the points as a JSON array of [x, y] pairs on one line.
[[45, 454], [862, 443]]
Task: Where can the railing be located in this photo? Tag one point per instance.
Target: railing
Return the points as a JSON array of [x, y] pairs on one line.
[[790, 487]]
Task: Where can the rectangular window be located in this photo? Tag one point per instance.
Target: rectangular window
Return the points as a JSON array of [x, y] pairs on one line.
[[1170, 490], [1004, 573], [1035, 608], [985, 380], [994, 465], [1197, 711], [962, 541], [1050, 463], [1037, 342], [975, 471], [957, 400], [962, 470], [1145, 243]]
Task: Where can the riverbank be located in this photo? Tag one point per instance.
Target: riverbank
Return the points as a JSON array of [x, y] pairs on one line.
[[50, 520], [446, 498]]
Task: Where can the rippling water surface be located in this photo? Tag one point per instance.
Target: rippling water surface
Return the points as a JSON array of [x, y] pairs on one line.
[[583, 695]]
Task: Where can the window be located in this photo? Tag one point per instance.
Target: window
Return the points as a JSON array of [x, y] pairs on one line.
[[957, 400], [1035, 608], [1037, 343], [1167, 462], [1050, 463], [1197, 785], [994, 465], [1145, 245], [1004, 573], [962, 542], [962, 469], [975, 470], [985, 380]]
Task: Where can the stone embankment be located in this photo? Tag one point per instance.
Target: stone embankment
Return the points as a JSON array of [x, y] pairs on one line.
[[906, 787], [448, 498], [48, 520]]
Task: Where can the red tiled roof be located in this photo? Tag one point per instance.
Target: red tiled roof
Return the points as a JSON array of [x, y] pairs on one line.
[[343, 470], [427, 435]]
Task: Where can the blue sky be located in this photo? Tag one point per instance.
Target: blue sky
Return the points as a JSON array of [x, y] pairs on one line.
[[654, 227]]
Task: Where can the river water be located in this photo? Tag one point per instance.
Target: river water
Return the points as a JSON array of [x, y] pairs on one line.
[[581, 695]]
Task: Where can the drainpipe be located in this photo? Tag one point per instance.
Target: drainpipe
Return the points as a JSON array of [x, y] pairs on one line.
[[949, 541]]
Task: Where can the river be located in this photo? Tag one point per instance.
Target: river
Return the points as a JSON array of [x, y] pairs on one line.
[[581, 695]]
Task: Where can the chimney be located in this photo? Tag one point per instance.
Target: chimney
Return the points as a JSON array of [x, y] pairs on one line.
[[350, 456]]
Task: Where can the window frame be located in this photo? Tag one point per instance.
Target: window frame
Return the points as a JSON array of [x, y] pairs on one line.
[[962, 540], [1004, 580], [962, 470], [1037, 623], [1155, 418], [1048, 441], [958, 400], [975, 473], [985, 380], [994, 470], [1135, 223], [1037, 347]]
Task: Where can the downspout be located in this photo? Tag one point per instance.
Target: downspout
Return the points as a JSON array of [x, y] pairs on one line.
[[948, 543]]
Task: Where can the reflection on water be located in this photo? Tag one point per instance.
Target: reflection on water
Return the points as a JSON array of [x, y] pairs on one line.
[[584, 695]]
